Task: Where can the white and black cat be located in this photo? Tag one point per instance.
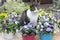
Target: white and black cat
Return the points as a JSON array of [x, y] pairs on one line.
[[29, 15]]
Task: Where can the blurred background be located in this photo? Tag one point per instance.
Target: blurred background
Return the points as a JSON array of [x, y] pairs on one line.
[[19, 6]]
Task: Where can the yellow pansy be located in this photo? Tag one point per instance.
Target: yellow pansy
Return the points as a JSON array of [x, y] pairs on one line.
[[4, 14], [46, 13], [50, 14], [40, 13], [16, 15], [58, 21]]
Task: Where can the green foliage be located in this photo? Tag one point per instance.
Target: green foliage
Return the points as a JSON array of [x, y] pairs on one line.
[[9, 27], [56, 6], [17, 7], [28, 31]]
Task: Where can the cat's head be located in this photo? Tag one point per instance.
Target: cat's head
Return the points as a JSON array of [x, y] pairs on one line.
[[33, 8]]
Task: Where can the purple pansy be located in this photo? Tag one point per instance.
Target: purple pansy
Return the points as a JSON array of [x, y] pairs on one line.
[[51, 23], [51, 26], [2, 22], [18, 19], [7, 21], [19, 15], [47, 23], [48, 29], [11, 16], [44, 28], [30, 26], [21, 29], [4, 27], [52, 17]]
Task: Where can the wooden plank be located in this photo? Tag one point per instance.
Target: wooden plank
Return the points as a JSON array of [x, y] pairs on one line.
[[46, 1]]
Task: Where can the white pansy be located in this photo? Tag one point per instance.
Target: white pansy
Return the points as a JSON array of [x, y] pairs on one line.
[[43, 17], [55, 20], [25, 26], [39, 23], [41, 29], [13, 13], [16, 22], [38, 26], [42, 26], [36, 31], [55, 32], [17, 30], [47, 19], [48, 29], [46, 24], [26, 31], [10, 19], [5, 30]]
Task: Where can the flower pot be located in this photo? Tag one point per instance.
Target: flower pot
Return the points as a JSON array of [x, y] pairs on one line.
[[8, 36], [28, 37], [45, 36]]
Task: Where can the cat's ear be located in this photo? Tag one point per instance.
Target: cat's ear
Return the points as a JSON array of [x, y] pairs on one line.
[[32, 7]]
